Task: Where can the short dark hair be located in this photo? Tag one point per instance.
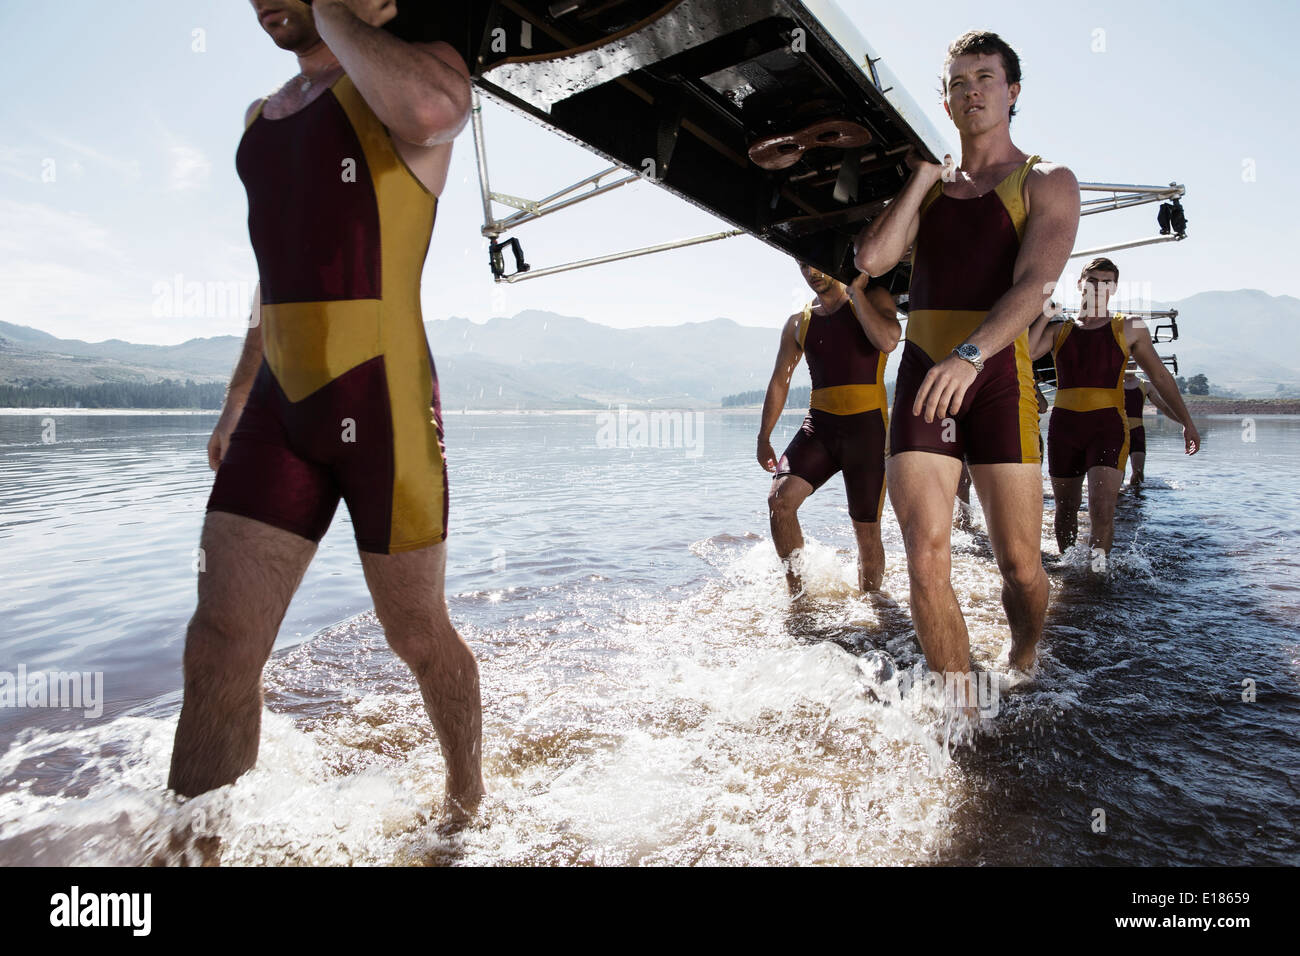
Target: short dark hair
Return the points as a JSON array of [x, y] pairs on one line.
[[983, 42], [1101, 264]]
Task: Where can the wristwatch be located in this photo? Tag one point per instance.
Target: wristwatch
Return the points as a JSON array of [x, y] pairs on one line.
[[970, 353]]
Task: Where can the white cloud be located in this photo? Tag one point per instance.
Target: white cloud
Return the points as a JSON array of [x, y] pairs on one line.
[[35, 229], [48, 295], [65, 273], [24, 164], [189, 167], [127, 168]]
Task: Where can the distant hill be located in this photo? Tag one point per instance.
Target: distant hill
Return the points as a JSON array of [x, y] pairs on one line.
[[693, 364], [533, 360], [1245, 340], [27, 353]]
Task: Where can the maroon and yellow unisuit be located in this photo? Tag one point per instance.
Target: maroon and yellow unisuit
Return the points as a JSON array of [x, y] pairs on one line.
[[1089, 425], [345, 404], [847, 422], [963, 262], [1135, 398]]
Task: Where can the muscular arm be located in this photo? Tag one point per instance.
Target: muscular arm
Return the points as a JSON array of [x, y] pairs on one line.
[[241, 381], [1154, 398], [876, 313], [888, 237], [1044, 249], [1048, 240], [250, 358], [778, 389], [1042, 333], [1144, 353], [420, 91]]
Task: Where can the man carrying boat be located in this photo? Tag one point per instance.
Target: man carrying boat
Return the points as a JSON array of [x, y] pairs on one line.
[[335, 395], [846, 335], [991, 237]]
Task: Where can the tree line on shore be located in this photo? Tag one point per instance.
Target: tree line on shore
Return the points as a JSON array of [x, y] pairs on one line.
[[798, 397], [210, 395], [164, 394]]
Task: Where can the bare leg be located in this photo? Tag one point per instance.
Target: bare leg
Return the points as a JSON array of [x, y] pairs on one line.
[[1068, 493], [1138, 460], [871, 555], [922, 487], [783, 501], [1012, 498], [1103, 492], [407, 589], [251, 572]]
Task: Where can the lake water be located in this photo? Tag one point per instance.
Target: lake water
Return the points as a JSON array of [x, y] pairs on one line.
[[650, 695]]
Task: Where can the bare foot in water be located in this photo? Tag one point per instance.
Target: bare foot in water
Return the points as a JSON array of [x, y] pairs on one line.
[[186, 847], [1022, 658], [460, 813], [1021, 663], [881, 598]]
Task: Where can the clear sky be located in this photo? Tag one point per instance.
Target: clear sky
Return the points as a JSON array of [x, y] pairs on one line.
[[117, 162]]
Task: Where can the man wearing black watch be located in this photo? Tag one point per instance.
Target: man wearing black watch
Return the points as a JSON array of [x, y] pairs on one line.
[[990, 238]]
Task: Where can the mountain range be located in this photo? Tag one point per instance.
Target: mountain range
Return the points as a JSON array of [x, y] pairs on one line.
[[1245, 341]]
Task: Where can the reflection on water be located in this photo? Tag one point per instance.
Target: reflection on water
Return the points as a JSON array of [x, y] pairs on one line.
[[651, 695]]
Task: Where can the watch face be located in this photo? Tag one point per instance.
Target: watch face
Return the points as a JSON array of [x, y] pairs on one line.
[[971, 354]]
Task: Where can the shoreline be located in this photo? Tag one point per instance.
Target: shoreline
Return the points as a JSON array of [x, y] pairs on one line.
[[71, 412], [1197, 405], [1208, 405]]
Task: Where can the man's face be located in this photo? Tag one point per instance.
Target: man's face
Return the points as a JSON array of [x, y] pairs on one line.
[[288, 22], [817, 280], [979, 98], [1097, 286]]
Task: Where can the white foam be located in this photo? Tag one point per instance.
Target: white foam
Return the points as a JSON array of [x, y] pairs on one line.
[[701, 729]]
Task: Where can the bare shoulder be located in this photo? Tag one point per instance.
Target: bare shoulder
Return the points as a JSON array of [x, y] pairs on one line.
[[1051, 186], [1136, 328], [252, 110], [447, 54], [790, 331], [1049, 181]]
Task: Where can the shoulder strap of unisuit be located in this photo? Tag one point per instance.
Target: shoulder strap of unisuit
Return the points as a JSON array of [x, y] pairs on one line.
[[935, 191], [927, 201], [801, 331], [1012, 193], [256, 113], [1061, 333], [1117, 328]]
